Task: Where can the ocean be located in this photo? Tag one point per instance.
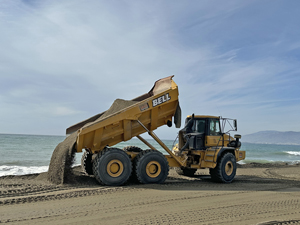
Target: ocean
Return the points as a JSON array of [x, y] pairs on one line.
[[27, 154]]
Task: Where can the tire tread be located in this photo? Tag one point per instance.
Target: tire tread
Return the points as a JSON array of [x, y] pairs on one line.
[[86, 163]]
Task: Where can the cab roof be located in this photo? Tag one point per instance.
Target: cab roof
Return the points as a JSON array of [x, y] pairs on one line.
[[203, 116]]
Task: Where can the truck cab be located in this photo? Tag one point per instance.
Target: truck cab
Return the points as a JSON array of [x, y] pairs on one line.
[[204, 143], [202, 132]]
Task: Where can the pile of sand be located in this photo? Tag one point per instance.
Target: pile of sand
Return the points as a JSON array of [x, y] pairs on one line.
[[63, 155], [117, 106]]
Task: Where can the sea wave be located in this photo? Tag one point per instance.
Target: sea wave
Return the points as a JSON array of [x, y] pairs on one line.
[[293, 152], [21, 170], [246, 161], [6, 170]]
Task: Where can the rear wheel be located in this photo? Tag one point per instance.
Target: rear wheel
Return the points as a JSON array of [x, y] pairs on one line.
[[225, 170], [112, 167], [132, 149], [186, 171], [151, 166], [86, 163]]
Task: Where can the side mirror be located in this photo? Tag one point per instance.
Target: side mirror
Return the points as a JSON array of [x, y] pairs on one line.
[[235, 124], [237, 136], [237, 140]]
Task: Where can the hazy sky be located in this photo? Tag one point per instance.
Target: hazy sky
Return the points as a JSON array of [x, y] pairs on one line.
[[62, 61]]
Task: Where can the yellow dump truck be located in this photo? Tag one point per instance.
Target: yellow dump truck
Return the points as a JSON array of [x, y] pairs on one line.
[[202, 142]]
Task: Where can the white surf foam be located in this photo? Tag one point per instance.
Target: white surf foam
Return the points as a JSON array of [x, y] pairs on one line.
[[21, 170], [292, 153]]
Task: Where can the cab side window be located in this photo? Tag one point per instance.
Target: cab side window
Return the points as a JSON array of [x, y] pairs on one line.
[[214, 127], [199, 126]]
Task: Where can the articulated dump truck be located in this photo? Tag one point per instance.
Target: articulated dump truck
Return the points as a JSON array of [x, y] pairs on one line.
[[202, 143]]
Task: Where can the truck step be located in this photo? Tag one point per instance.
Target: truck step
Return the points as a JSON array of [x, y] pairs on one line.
[[206, 160]]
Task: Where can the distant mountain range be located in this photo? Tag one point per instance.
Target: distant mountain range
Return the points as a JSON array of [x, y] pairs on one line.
[[273, 137]]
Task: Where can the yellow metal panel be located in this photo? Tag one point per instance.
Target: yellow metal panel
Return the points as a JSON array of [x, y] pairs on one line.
[[154, 116], [79, 143], [88, 140], [172, 161], [195, 166], [240, 155], [98, 133], [127, 129], [211, 141], [205, 164]]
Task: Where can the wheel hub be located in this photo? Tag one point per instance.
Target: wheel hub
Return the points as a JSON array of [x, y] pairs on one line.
[[153, 169], [229, 168], [115, 168]]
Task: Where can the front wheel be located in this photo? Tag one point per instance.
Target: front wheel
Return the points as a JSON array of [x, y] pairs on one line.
[[225, 170]]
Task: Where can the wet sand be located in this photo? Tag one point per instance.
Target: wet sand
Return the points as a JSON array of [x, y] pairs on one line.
[[266, 194]]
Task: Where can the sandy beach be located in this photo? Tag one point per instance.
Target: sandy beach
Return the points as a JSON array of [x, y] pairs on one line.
[[260, 194]]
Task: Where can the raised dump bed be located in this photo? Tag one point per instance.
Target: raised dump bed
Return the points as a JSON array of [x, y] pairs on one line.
[[124, 118], [121, 122]]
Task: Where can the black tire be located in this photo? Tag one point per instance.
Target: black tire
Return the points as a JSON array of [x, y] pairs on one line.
[[151, 166], [132, 149], [133, 178], [185, 171], [86, 163], [225, 170], [112, 167]]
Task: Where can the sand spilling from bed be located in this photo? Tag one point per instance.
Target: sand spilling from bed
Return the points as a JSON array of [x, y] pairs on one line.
[[61, 161], [63, 155]]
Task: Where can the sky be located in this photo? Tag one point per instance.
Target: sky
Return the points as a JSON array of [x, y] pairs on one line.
[[62, 61]]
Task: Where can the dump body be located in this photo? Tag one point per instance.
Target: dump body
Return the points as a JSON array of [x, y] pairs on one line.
[[153, 109]]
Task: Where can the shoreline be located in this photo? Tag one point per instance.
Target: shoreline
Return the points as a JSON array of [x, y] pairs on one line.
[[239, 165]]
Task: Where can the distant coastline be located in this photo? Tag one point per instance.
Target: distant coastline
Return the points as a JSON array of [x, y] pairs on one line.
[[273, 137], [266, 143]]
